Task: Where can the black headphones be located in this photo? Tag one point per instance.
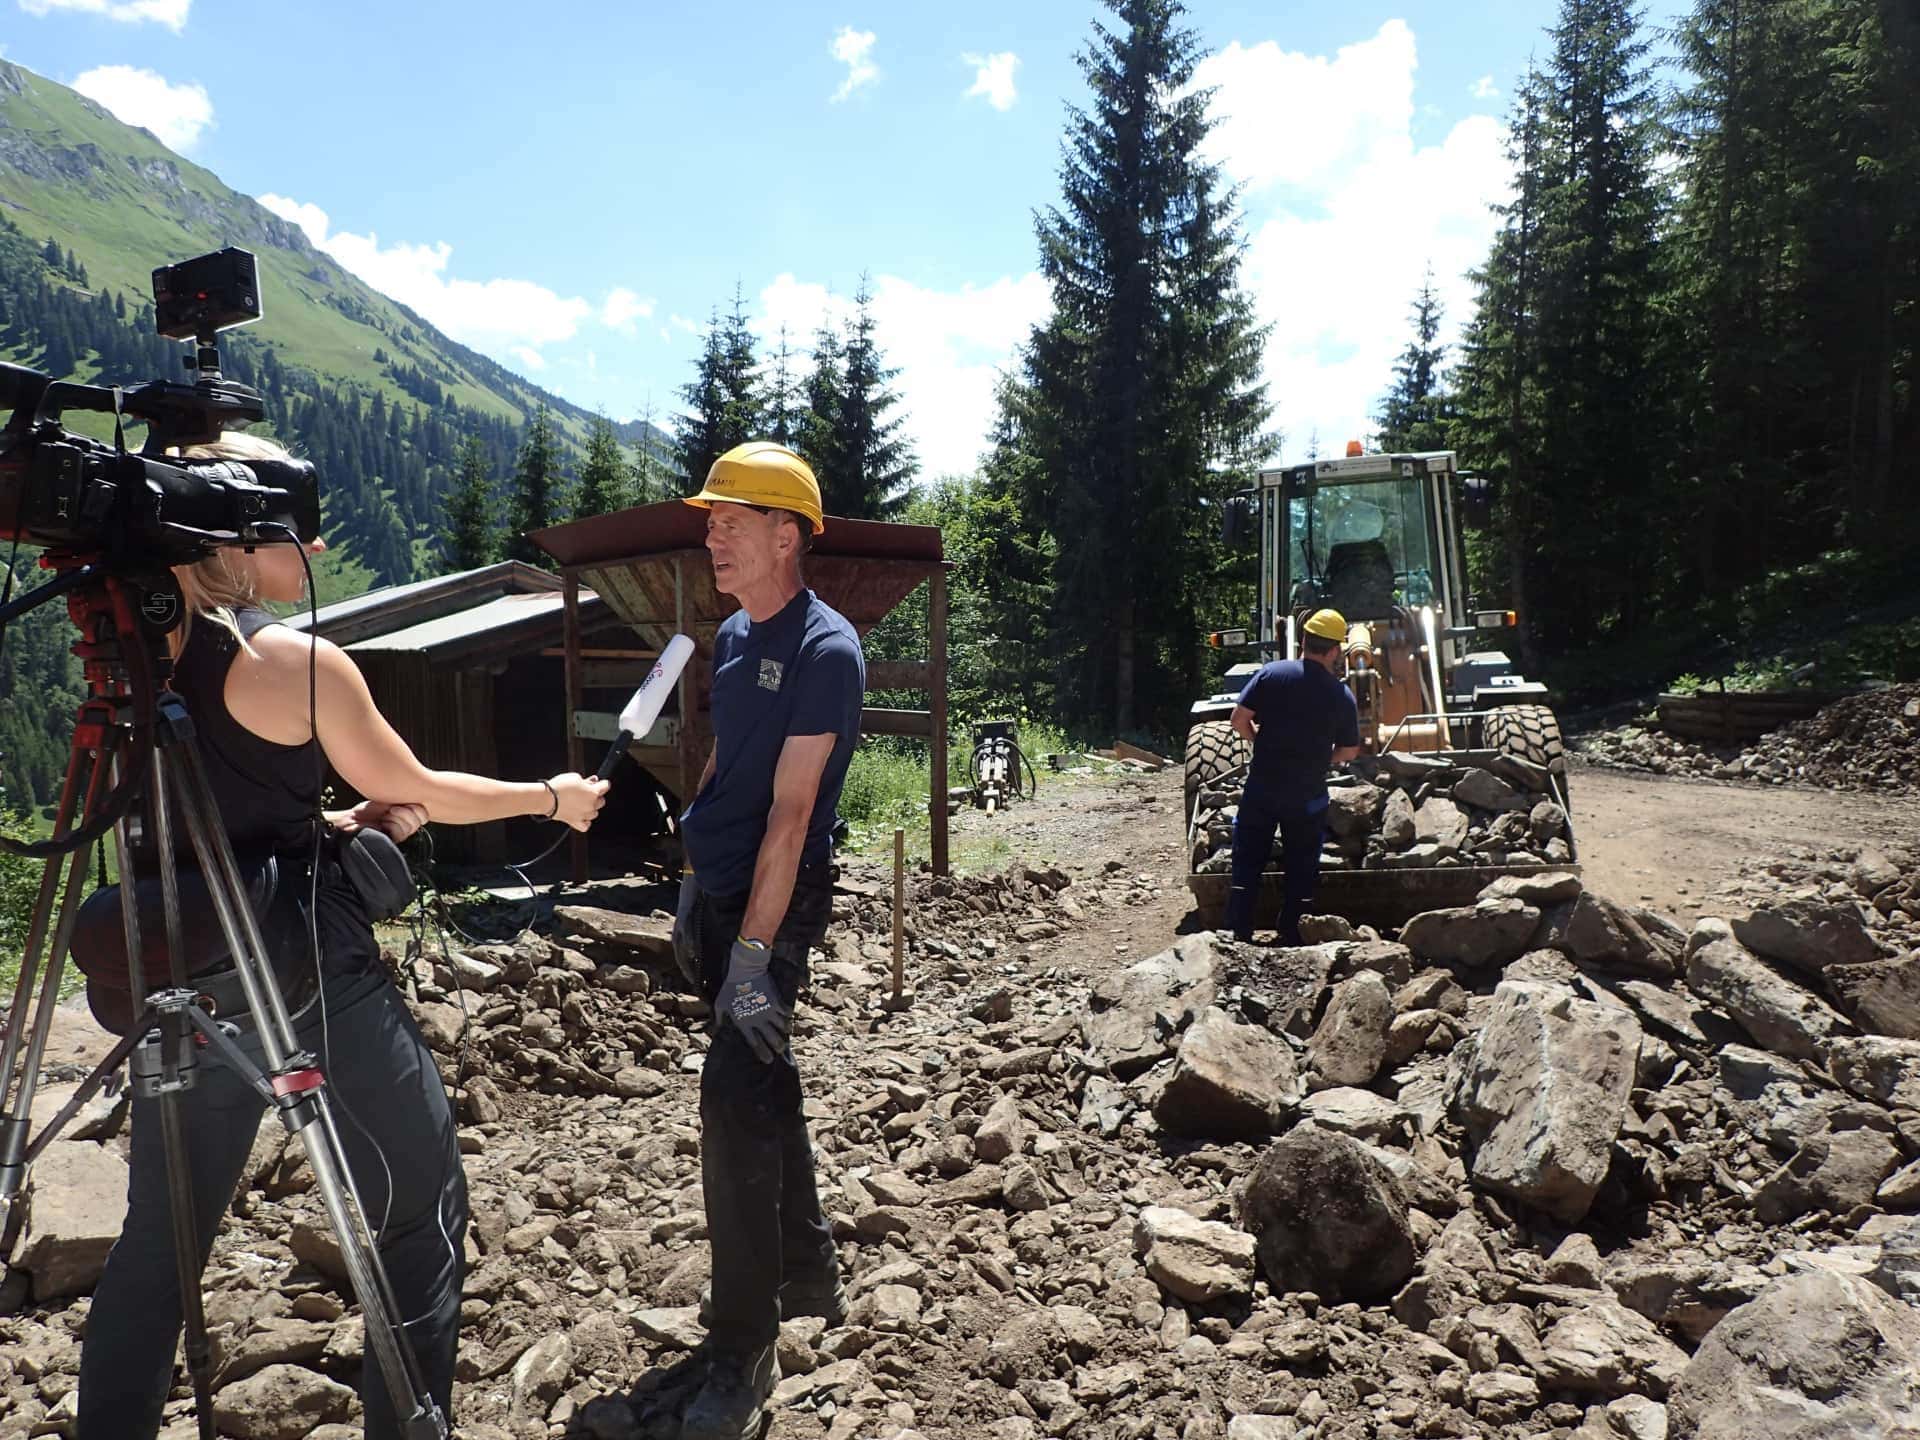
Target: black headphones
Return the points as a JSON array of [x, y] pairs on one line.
[[378, 872]]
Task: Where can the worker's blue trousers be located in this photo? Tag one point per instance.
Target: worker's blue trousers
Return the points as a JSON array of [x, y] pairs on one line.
[[1300, 837]]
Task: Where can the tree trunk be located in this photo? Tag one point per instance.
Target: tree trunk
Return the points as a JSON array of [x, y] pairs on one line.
[[1123, 636]]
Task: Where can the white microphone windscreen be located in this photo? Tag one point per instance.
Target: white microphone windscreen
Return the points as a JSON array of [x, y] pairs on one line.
[[644, 708]]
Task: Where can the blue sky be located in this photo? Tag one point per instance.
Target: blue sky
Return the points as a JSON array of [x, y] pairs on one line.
[[573, 188]]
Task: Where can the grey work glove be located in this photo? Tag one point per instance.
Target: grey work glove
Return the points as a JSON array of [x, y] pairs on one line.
[[749, 1000], [686, 930]]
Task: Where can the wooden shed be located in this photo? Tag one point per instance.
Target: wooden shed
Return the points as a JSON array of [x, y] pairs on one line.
[[470, 670], [649, 566]]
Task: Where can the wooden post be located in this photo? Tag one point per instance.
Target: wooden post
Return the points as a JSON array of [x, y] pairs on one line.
[[570, 602], [937, 708], [899, 913]]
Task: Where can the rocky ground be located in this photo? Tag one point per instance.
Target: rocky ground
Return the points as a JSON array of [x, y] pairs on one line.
[[1548, 1166], [1867, 742]]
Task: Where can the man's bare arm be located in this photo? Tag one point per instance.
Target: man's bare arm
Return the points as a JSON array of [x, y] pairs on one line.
[[1243, 723], [796, 784]]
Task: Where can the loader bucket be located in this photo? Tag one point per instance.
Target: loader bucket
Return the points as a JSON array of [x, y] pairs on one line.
[[1387, 897]]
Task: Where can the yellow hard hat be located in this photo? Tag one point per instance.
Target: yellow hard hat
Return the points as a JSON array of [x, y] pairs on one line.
[[765, 474], [1327, 625]]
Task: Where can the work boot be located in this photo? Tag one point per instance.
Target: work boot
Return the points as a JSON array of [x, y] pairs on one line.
[[732, 1404], [819, 1295]]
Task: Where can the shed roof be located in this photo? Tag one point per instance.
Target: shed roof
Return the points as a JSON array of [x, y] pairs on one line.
[[650, 564], [507, 607]]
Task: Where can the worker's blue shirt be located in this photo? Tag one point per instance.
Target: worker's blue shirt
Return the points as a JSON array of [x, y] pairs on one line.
[[799, 673], [1303, 713]]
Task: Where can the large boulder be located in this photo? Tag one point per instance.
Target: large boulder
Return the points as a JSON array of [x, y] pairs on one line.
[[1594, 931], [76, 1205], [1877, 1068], [1351, 1040], [1195, 1260], [1882, 996], [281, 1402], [1229, 1081], [1808, 931], [1352, 809], [1897, 1271], [1606, 1349], [1134, 1017], [1816, 1356], [1328, 1217], [1776, 1012], [1545, 1093], [1488, 932], [1438, 821], [1833, 1171]]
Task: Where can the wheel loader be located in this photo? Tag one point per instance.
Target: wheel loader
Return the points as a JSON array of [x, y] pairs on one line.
[[1377, 538]]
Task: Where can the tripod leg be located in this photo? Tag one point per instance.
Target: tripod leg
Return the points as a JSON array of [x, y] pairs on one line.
[[25, 1042], [302, 1099], [175, 1055]]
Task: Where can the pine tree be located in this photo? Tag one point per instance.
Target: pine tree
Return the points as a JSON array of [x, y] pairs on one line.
[[870, 465], [1144, 385], [652, 468], [783, 395], [818, 436], [605, 484], [1413, 416], [538, 499], [471, 537], [725, 405]]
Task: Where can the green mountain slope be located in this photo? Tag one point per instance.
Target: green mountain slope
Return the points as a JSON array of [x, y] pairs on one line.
[[123, 203]]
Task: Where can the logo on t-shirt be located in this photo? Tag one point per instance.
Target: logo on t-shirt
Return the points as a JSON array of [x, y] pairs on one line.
[[770, 671]]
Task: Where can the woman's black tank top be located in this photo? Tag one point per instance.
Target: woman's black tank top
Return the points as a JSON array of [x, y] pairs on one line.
[[267, 794]]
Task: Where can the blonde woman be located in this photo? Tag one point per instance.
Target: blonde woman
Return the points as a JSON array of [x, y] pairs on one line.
[[261, 727]]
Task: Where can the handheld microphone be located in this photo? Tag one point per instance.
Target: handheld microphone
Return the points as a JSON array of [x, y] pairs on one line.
[[644, 708]]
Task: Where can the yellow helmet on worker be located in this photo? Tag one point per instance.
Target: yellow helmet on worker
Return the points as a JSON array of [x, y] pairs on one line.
[[763, 474], [1327, 625]]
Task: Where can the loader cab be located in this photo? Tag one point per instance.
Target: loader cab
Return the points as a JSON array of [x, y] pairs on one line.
[[1375, 537]]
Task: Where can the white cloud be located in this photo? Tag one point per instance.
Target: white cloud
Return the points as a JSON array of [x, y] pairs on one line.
[[993, 77], [170, 13], [949, 346], [854, 49], [622, 308], [684, 325], [503, 316], [1484, 89], [529, 357], [176, 114], [1343, 214]]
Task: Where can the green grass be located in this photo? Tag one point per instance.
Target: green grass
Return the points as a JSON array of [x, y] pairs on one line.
[[887, 789]]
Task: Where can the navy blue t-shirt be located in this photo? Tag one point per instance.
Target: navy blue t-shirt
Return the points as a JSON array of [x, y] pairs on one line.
[[799, 673], [1303, 713]]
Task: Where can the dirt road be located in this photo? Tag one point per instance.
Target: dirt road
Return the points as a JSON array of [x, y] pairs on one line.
[[1644, 839]]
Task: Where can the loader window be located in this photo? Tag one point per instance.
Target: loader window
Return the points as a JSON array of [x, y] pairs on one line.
[[1361, 548]]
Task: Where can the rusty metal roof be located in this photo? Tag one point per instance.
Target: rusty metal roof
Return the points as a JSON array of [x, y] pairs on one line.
[[646, 530], [650, 564]]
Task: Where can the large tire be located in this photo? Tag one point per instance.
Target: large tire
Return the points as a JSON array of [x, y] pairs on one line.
[[1531, 732], [1214, 748]]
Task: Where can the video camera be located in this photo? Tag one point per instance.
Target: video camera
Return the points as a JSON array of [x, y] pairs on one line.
[[69, 493]]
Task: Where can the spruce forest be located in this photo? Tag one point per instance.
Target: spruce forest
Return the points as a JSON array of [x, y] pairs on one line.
[[1689, 373]]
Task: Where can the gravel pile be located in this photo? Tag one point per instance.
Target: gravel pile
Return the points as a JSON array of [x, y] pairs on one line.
[[1408, 811], [1541, 1166], [1869, 741]]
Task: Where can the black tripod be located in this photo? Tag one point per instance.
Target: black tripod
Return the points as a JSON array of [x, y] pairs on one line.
[[133, 742]]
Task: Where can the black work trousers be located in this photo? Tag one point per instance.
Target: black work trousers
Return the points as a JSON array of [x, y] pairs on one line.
[[395, 1124], [1301, 835], [764, 1221]]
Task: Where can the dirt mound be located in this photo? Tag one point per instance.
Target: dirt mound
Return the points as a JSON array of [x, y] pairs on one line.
[[1868, 742]]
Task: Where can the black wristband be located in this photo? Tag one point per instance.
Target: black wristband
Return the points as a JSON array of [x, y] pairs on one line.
[[554, 808]]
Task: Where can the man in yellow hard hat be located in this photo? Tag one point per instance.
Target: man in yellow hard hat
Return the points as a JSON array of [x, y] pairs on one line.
[[1301, 720], [788, 680]]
